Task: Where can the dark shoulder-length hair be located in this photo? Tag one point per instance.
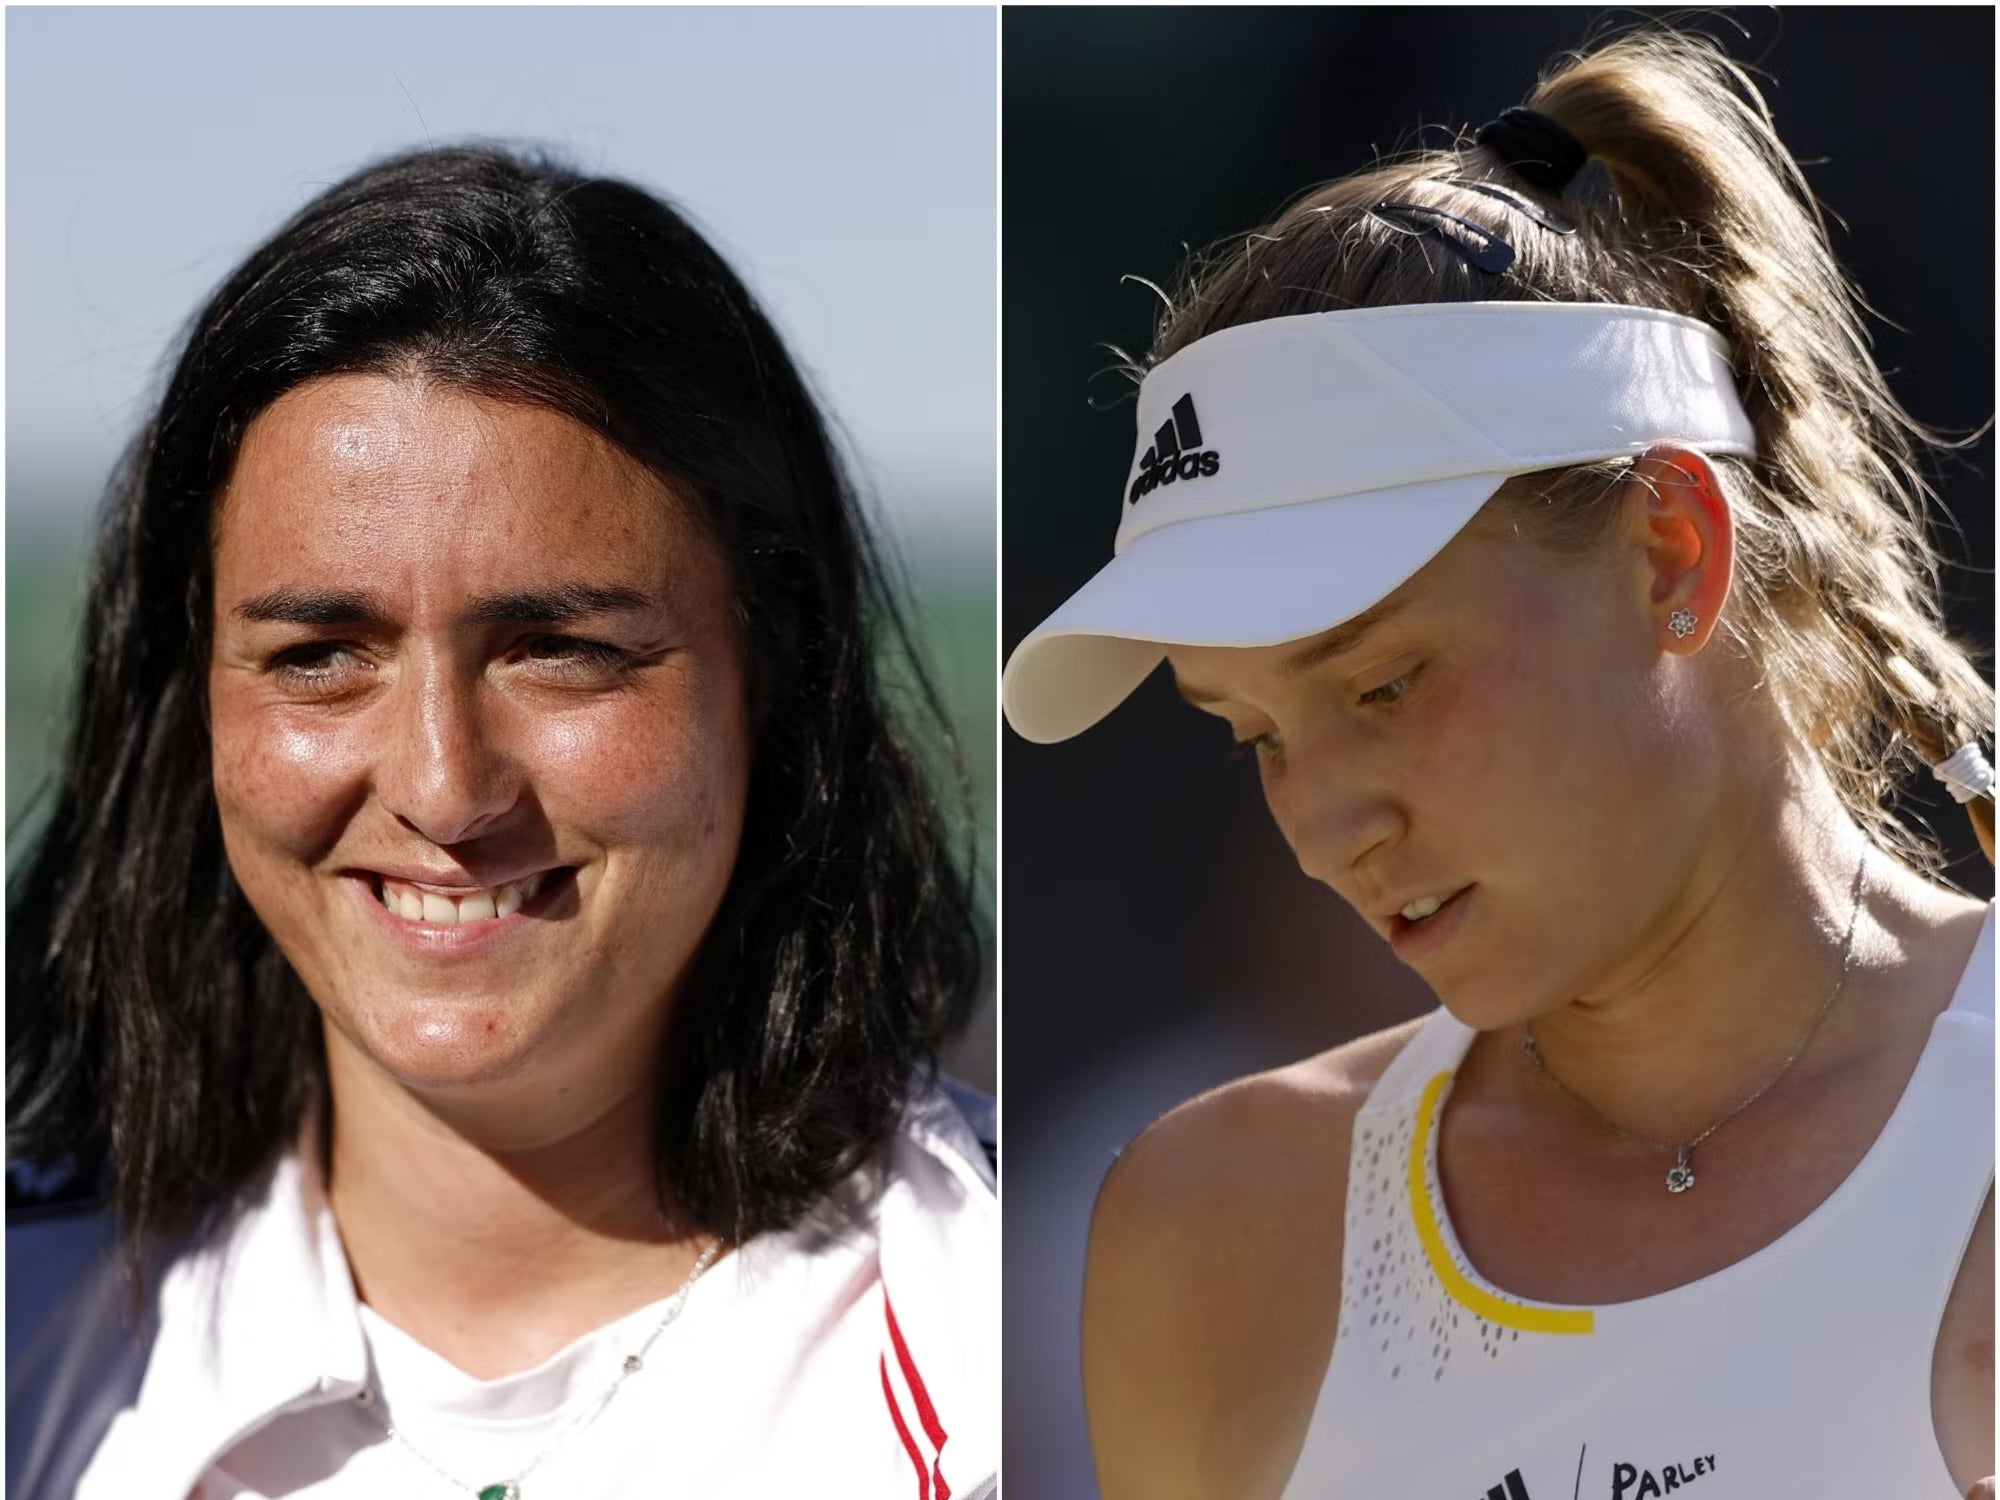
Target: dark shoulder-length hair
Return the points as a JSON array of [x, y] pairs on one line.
[[158, 1040]]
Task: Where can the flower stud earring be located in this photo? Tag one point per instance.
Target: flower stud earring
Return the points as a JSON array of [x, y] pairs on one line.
[[1681, 622]]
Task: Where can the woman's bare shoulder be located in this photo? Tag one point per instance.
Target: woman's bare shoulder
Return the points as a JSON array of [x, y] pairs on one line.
[[1295, 1121], [1214, 1278]]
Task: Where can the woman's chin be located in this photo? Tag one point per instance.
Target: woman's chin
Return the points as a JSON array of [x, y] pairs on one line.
[[1483, 1007], [428, 1045]]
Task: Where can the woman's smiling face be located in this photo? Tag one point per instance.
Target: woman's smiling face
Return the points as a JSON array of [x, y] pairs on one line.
[[481, 744], [1504, 732]]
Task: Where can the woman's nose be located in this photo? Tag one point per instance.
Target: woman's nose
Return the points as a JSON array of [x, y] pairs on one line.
[[1337, 810], [442, 771]]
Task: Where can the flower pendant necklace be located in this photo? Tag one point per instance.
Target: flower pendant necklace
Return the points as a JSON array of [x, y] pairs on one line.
[[1680, 1176], [510, 1489]]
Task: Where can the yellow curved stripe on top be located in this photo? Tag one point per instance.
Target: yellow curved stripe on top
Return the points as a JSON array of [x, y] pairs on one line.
[[1490, 1307]]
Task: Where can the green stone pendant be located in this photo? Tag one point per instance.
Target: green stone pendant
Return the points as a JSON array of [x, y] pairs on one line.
[[507, 1491], [1680, 1176]]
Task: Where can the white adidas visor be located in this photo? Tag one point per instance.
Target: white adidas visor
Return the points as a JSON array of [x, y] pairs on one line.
[[1291, 473]]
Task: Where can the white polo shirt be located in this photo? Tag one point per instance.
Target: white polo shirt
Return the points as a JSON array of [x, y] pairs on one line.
[[857, 1353]]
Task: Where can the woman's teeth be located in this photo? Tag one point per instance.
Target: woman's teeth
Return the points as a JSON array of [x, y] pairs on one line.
[[1416, 911], [414, 905]]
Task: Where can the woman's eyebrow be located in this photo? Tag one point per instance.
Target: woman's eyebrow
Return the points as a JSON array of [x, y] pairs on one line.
[[292, 606], [1338, 641], [1343, 638], [556, 605]]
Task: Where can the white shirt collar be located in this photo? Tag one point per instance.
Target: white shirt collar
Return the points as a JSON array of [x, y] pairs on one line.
[[262, 1319]]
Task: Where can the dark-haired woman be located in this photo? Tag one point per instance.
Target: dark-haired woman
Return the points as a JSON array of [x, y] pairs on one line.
[[1555, 547], [491, 943]]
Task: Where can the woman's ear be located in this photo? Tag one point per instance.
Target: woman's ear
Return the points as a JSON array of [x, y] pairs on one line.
[[1687, 540]]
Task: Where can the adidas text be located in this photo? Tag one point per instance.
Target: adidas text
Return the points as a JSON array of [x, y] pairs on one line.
[[1181, 466], [1176, 453]]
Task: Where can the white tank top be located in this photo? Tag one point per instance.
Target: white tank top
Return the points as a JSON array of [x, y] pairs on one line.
[[1803, 1370]]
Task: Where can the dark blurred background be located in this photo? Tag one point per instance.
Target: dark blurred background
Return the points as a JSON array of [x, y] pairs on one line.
[[1159, 938]]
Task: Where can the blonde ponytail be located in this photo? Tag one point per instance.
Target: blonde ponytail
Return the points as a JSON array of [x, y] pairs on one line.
[[1837, 501]]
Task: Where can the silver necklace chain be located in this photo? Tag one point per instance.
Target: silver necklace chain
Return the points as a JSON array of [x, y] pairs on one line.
[[511, 1489], [1680, 1176]]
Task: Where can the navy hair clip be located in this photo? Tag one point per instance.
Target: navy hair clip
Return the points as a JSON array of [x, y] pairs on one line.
[[1477, 245], [1548, 218]]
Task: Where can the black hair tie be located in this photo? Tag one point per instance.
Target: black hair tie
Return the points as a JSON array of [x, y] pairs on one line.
[[1542, 152]]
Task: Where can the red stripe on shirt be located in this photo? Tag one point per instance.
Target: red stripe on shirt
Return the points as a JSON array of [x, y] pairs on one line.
[[926, 1413], [903, 1432]]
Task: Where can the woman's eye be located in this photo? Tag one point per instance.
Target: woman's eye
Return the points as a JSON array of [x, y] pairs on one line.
[[1263, 745], [570, 655], [312, 664], [1389, 692]]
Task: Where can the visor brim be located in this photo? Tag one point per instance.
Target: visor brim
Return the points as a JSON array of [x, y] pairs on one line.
[[1255, 578]]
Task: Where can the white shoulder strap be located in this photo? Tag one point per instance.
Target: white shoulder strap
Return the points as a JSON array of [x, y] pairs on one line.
[[1975, 987], [1439, 1046]]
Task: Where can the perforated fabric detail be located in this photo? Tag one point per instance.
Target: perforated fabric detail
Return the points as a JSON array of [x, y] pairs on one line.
[[1394, 1311]]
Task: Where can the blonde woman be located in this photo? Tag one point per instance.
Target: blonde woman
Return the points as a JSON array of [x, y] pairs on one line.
[[1533, 512]]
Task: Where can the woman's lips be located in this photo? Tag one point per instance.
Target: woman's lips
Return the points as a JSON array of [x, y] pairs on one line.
[[415, 903], [1415, 940], [431, 920]]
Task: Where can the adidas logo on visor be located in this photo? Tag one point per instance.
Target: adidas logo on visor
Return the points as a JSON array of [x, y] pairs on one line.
[[1176, 454]]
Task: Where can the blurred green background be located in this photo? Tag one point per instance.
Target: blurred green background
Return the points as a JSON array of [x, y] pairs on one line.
[[45, 576]]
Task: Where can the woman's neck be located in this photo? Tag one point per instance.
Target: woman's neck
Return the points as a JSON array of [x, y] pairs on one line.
[[1735, 974], [496, 1253]]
